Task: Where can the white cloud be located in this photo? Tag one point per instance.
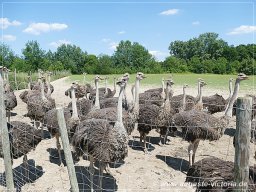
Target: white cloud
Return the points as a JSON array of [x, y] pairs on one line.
[[113, 45], [59, 43], [105, 40], [243, 29], [121, 32], [196, 23], [5, 23], [159, 55], [170, 12], [8, 38], [38, 28]]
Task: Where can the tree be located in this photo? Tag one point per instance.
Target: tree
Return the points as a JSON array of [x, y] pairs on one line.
[[71, 57], [6, 55], [132, 55], [33, 56]]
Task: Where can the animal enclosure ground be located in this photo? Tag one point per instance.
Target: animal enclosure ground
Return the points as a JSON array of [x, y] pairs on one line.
[[163, 169]]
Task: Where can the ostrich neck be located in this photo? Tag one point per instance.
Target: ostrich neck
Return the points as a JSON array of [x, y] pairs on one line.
[[137, 87], [97, 99], [198, 91], [133, 94], [228, 111], [163, 89], [42, 90], [106, 86], [200, 96], [230, 89], [184, 99], [114, 84], [48, 88], [119, 106], [74, 107]]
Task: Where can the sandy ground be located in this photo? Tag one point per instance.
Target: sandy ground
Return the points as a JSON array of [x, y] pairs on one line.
[[163, 169]]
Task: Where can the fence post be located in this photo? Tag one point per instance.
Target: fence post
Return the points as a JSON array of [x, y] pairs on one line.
[[15, 79], [5, 140], [67, 151], [242, 143]]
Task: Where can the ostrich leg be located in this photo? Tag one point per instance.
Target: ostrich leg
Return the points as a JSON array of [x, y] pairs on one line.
[[145, 143], [196, 143], [58, 146], [8, 115], [91, 169], [190, 152], [25, 162]]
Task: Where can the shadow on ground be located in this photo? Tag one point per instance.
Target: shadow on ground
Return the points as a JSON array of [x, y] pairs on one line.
[[175, 163], [19, 175], [83, 178]]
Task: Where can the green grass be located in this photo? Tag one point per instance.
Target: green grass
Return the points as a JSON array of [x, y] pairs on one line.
[[212, 80], [22, 78]]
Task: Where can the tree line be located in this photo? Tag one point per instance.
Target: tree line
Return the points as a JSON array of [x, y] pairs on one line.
[[206, 53]]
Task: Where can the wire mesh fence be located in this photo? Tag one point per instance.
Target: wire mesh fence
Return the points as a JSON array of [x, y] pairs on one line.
[[163, 168]]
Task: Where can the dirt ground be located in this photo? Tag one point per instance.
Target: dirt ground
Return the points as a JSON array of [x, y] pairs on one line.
[[163, 169]]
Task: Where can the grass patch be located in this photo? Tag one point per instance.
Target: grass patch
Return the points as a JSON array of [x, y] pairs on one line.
[[212, 80], [22, 78]]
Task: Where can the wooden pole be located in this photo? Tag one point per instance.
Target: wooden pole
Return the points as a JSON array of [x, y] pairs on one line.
[[5, 140], [15, 79], [242, 143], [67, 151]]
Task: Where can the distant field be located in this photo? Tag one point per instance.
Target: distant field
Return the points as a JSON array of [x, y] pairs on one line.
[[212, 80]]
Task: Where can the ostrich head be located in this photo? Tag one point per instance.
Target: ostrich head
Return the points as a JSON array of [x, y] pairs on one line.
[[140, 76], [185, 86], [241, 76], [202, 83], [126, 76], [97, 78]]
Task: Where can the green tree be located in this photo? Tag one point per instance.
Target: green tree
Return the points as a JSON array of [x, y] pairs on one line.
[[71, 57], [33, 56], [6, 55]]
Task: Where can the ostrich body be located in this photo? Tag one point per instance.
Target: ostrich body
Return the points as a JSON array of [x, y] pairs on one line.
[[214, 103], [197, 125], [23, 138], [38, 105], [154, 117], [103, 140], [213, 171], [10, 101], [72, 121]]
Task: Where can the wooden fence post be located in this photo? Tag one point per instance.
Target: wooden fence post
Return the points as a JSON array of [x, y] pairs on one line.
[[5, 140], [242, 143], [67, 151]]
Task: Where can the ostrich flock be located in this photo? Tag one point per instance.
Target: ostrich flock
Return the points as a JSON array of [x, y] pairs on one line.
[[99, 125]]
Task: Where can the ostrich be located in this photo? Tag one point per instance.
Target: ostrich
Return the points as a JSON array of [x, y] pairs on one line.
[[212, 172], [103, 140], [109, 93], [84, 106], [151, 117], [81, 91], [197, 125], [102, 91], [159, 90], [23, 138], [9, 97], [72, 120], [112, 102], [39, 104], [216, 103], [130, 117]]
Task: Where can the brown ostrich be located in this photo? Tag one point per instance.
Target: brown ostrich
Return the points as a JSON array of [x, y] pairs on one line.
[[23, 138], [71, 119], [102, 140], [214, 174], [81, 91], [153, 117], [197, 125]]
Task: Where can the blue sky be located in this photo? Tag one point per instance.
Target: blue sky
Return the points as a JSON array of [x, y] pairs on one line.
[[97, 27]]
